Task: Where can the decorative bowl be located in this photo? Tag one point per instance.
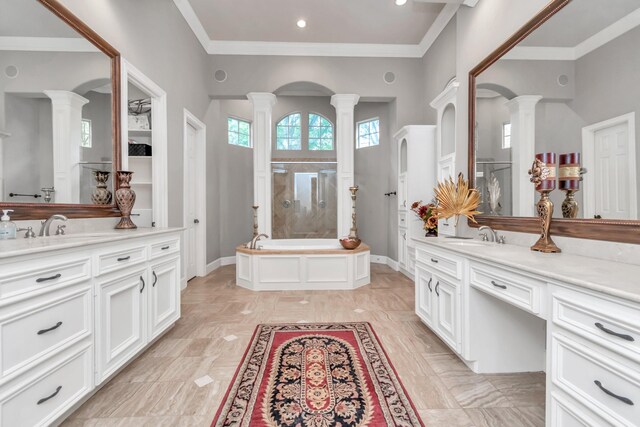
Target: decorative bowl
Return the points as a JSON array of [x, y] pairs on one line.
[[349, 243]]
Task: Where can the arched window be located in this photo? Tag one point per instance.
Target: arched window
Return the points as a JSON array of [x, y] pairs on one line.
[[320, 133], [289, 133]]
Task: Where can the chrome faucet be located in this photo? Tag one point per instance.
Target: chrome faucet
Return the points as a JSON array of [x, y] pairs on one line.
[[44, 230], [254, 241], [494, 235]]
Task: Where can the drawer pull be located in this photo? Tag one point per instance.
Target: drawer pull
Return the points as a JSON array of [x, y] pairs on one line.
[[437, 286], [164, 248], [142, 288], [620, 398], [616, 334], [498, 285], [155, 279], [124, 258], [55, 393], [46, 279], [44, 331], [434, 260], [429, 284]]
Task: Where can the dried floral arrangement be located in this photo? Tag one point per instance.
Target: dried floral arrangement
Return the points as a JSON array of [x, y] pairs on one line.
[[428, 214], [456, 199]]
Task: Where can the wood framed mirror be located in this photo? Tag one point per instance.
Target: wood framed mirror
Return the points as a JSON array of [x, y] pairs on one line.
[[59, 113], [566, 82]]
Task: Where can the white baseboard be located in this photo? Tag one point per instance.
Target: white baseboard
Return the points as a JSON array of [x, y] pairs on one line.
[[220, 262], [183, 283], [381, 259]]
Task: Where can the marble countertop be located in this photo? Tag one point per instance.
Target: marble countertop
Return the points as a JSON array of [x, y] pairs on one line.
[[22, 246], [613, 278]]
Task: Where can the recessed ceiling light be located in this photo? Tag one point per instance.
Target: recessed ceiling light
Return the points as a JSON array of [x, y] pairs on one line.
[[302, 23], [401, 2]]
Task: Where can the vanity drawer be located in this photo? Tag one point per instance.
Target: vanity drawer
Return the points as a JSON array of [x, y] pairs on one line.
[[30, 276], [440, 260], [42, 328], [121, 258], [42, 400], [518, 290], [609, 387], [608, 323], [164, 248]]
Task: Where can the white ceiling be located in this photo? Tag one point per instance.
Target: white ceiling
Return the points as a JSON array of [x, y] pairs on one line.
[[328, 21], [373, 28], [578, 21]]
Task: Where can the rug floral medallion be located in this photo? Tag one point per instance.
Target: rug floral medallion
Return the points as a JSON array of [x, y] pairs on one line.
[[316, 375]]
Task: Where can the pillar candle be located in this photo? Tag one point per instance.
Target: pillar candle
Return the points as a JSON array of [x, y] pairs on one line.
[[569, 173], [549, 182]]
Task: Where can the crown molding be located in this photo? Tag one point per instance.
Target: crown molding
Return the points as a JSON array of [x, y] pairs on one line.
[[361, 50], [540, 53], [46, 44]]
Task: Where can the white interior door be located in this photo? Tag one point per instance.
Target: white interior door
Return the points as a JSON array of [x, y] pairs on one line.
[[191, 220], [611, 174]]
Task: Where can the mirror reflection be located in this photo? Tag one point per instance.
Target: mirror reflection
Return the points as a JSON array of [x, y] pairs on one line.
[[571, 88], [55, 111]]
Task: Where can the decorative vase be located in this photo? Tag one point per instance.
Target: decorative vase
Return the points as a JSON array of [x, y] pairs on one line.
[[543, 175], [431, 233], [125, 198], [101, 195]]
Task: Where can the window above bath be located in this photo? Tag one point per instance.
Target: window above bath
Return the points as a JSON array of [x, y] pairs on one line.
[[289, 132], [320, 133], [239, 132], [368, 133]]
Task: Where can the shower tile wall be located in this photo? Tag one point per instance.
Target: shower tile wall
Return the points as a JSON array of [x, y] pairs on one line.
[[304, 200]]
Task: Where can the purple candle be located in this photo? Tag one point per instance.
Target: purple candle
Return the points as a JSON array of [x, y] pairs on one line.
[[569, 173], [548, 179]]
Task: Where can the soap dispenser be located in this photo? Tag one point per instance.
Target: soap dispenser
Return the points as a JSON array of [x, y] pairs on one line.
[[7, 228]]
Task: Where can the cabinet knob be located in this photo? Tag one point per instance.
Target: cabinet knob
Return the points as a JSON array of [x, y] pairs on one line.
[[196, 221]]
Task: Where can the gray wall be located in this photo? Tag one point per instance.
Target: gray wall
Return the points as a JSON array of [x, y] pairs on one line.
[[374, 178], [439, 67], [156, 39]]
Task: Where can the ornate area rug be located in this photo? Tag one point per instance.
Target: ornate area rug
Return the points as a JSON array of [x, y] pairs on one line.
[[316, 375]]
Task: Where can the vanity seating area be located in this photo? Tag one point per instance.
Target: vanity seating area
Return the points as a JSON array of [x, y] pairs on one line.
[[504, 308], [74, 310]]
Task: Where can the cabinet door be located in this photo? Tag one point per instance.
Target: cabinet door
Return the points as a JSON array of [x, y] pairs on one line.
[[402, 192], [120, 318], [164, 296], [425, 283], [448, 312], [402, 247]]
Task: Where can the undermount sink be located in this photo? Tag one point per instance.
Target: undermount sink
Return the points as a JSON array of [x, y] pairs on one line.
[[466, 243]]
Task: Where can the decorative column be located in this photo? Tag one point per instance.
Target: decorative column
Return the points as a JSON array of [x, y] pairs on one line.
[[66, 108], [3, 135], [523, 140], [345, 147], [261, 130]]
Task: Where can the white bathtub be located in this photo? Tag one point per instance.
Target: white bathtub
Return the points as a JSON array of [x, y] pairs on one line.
[[302, 264]]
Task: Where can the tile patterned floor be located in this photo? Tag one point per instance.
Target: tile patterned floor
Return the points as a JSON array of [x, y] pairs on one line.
[[158, 388]]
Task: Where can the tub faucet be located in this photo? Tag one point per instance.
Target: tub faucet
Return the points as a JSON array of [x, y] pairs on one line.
[[254, 241], [44, 230]]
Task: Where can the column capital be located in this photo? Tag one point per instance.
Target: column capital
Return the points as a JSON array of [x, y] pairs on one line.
[[262, 99], [66, 97], [342, 101], [523, 102]]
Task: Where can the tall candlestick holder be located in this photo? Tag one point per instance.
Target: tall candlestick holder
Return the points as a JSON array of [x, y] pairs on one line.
[[352, 241], [543, 175], [569, 181], [255, 220]]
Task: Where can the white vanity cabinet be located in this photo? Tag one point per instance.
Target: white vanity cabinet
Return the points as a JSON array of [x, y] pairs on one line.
[[438, 294], [74, 311], [503, 308]]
